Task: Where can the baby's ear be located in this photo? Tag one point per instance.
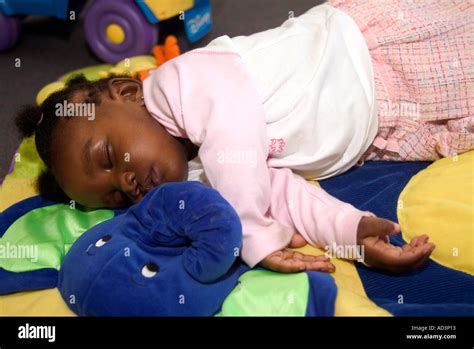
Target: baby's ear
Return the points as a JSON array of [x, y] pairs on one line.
[[126, 89]]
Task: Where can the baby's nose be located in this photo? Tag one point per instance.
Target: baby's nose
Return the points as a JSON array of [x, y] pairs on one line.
[[129, 184]]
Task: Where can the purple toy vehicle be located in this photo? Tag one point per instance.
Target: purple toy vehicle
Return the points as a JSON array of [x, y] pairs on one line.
[[115, 29]]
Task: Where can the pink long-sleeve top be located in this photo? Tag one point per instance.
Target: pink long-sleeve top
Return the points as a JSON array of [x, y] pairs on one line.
[[211, 97]]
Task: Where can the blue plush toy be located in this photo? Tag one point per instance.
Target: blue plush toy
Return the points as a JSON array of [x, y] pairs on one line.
[[175, 253]]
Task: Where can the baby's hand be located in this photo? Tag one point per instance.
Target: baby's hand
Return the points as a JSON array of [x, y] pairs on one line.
[[372, 233], [288, 261]]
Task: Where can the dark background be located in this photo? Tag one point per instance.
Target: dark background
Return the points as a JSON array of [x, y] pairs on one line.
[[49, 47]]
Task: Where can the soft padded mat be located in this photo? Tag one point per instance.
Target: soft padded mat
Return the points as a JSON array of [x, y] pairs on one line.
[[436, 289], [432, 199]]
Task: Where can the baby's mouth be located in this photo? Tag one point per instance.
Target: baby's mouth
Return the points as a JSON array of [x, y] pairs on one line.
[[136, 196], [151, 181]]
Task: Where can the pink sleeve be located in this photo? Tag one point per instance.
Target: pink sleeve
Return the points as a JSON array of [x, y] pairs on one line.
[[319, 217], [210, 98]]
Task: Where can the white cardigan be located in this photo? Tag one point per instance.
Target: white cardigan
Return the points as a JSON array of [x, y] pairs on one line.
[[315, 79]]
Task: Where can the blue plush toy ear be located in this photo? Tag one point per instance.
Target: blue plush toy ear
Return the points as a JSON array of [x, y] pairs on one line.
[[40, 224], [196, 216]]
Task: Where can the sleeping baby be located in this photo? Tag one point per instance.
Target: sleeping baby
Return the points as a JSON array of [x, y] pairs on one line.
[[254, 116]]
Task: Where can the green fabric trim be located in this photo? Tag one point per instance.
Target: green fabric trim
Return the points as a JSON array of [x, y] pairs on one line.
[[266, 293], [42, 237]]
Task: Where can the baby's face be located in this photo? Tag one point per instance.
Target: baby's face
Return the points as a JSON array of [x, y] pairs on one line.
[[114, 159]]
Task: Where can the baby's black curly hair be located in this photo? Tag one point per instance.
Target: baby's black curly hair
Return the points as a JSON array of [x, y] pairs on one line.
[[28, 123]]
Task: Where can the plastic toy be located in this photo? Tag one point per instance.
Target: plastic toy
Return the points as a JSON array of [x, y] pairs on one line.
[[162, 53], [114, 29]]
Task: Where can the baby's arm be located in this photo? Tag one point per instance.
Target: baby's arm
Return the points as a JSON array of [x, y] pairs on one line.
[[319, 217], [323, 220], [210, 98]]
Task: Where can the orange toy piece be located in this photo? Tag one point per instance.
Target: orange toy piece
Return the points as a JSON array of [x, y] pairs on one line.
[[171, 48], [167, 51], [162, 53], [143, 74]]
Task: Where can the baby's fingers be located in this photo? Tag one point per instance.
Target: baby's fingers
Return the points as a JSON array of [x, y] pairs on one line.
[[308, 262], [294, 266], [422, 261], [414, 257], [427, 249], [419, 240], [289, 265], [327, 267], [310, 258]]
